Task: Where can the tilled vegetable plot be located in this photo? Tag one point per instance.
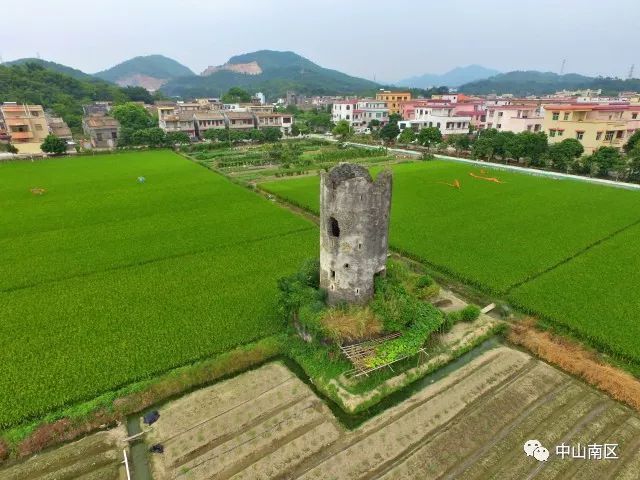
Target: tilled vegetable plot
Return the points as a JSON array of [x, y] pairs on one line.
[[267, 424]]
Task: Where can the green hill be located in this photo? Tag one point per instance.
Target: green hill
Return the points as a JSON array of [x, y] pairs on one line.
[[149, 71], [278, 72], [63, 94], [532, 82], [56, 67]]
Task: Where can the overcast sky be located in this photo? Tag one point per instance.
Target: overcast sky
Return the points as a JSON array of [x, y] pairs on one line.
[[373, 39]]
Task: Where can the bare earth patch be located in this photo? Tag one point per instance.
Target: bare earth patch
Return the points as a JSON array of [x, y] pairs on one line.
[[97, 456], [267, 424]]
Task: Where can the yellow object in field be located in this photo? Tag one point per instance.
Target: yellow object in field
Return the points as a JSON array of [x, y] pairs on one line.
[[455, 184], [490, 179]]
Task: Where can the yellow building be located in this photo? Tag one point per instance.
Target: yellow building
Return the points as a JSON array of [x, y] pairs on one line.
[[393, 99], [25, 124], [594, 125]]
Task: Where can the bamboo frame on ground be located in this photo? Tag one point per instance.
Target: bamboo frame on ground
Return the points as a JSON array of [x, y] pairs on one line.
[[358, 353]]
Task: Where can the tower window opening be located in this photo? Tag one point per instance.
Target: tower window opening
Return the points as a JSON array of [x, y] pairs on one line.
[[346, 265], [334, 228], [333, 274], [357, 291]]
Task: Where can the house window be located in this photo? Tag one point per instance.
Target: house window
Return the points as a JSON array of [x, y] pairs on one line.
[[500, 114], [499, 126], [38, 127], [555, 116], [35, 113], [579, 135], [552, 133], [634, 116], [609, 136], [114, 135], [560, 132], [619, 133], [566, 116], [598, 135], [99, 136]]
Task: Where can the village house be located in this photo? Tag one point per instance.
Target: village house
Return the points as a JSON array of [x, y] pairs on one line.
[[206, 120], [282, 121], [97, 108], [343, 110], [59, 128], [25, 124], [259, 108], [441, 116], [594, 125], [393, 99], [103, 131], [515, 118], [179, 122], [368, 109], [240, 120]]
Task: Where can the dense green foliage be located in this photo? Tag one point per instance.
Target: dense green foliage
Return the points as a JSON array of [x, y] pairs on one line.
[[236, 95], [138, 127], [402, 311], [156, 66], [56, 67], [429, 136], [53, 144], [531, 239], [399, 310], [63, 94], [281, 71], [532, 82], [315, 120], [342, 130], [104, 280]]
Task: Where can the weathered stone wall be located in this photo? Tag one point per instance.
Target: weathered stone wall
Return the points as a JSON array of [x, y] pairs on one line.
[[354, 231]]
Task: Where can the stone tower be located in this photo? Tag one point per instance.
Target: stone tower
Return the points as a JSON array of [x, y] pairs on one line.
[[354, 231]]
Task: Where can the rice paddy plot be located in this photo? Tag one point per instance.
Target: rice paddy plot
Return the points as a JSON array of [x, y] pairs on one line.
[[104, 281]]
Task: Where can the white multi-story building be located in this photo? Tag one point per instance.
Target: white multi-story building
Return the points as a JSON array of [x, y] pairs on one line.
[[515, 118], [367, 110], [442, 117], [343, 110]]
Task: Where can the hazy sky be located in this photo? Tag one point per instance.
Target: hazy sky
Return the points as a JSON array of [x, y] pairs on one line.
[[381, 39]]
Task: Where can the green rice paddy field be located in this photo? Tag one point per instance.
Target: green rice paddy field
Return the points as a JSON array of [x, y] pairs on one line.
[[104, 280], [566, 250]]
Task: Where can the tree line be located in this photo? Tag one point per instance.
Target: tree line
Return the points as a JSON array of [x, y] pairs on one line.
[[62, 94]]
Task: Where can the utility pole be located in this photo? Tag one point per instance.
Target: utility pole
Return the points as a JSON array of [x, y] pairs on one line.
[[630, 76], [564, 62]]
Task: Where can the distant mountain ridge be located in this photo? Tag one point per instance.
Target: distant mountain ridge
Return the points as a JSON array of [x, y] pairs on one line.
[[452, 78], [532, 82], [56, 67], [150, 72], [273, 73]]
